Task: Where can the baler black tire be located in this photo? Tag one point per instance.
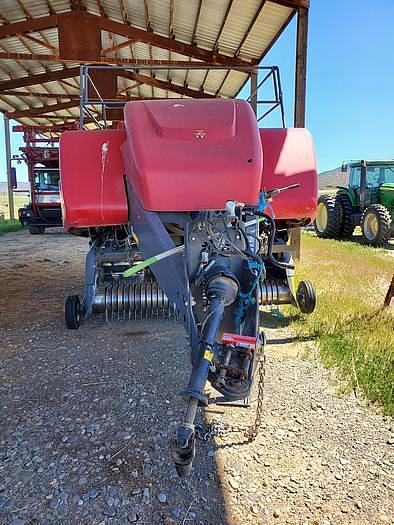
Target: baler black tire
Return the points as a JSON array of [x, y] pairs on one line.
[[383, 230], [36, 230], [345, 209], [306, 297], [333, 227], [72, 312]]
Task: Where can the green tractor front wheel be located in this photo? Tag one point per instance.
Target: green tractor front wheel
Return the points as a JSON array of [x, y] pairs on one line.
[[376, 225]]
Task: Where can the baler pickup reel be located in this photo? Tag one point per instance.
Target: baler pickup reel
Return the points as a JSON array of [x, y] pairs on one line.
[[167, 240]]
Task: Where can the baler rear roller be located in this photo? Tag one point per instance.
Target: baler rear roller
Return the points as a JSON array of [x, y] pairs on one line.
[[132, 301]]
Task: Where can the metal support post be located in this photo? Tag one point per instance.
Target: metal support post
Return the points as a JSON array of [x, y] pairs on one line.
[[301, 63], [8, 163], [300, 100], [253, 91]]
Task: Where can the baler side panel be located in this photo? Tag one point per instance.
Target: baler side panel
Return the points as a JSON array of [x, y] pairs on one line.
[[289, 158], [92, 186]]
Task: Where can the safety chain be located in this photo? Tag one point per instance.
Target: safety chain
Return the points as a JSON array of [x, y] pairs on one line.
[[218, 428]]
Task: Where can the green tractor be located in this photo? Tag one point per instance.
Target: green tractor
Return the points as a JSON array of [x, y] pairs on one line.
[[368, 202]]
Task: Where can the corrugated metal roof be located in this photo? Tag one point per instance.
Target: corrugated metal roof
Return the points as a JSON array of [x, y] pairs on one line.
[[235, 28]]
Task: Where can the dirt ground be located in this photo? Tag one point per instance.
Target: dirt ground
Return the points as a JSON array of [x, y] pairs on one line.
[[86, 418]]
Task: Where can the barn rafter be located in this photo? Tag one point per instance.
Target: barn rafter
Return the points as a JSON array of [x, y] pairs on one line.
[[43, 52]]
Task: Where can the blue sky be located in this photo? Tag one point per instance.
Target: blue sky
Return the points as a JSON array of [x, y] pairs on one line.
[[350, 95]]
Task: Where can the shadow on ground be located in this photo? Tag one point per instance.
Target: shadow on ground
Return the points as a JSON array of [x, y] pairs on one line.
[[87, 415]]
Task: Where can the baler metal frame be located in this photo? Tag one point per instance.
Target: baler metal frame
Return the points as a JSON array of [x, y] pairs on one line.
[[88, 85], [206, 291]]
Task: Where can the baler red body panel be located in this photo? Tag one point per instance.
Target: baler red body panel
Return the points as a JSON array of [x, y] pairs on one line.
[[184, 155], [92, 179], [190, 155], [289, 158]]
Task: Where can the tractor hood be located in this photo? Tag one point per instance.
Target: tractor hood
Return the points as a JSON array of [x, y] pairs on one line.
[[386, 196], [387, 186]]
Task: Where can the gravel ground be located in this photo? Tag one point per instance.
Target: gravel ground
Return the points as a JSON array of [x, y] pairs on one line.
[[86, 418]]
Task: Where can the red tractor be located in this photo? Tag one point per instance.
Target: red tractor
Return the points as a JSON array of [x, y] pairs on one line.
[[41, 154]]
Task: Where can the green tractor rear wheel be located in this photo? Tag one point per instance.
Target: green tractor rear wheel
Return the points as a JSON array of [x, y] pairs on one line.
[[327, 223], [345, 210], [376, 225]]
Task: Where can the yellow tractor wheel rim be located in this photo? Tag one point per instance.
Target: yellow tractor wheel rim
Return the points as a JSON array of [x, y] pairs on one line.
[[371, 226], [321, 217]]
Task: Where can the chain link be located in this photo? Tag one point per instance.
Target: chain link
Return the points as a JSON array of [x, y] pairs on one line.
[[218, 428]]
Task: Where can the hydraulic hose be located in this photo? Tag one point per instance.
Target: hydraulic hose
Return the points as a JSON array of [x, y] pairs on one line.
[[273, 261]]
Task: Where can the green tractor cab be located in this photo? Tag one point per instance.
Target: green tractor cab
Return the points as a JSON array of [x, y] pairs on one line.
[[368, 202]]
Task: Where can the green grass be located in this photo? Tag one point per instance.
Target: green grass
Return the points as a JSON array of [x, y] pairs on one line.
[[6, 226], [355, 334]]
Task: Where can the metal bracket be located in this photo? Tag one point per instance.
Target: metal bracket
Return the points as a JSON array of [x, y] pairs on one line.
[[171, 272]]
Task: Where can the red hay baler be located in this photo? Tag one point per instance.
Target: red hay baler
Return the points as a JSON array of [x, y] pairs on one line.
[[189, 207]]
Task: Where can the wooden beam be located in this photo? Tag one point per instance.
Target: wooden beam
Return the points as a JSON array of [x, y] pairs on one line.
[[171, 21], [147, 18], [165, 85], [139, 35], [294, 4], [39, 95], [40, 42], [32, 80], [196, 22], [117, 47], [128, 88], [300, 73], [69, 84], [228, 9], [119, 28], [249, 29], [253, 91], [30, 25], [43, 109], [116, 61]]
